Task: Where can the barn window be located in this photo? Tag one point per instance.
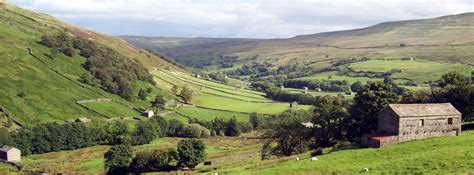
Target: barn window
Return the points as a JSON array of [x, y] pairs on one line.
[[421, 122], [450, 121]]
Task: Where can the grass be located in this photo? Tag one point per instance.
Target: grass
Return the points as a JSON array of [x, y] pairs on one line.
[[112, 109], [221, 103], [46, 90], [445, 155], [417, 71], [209, 114]]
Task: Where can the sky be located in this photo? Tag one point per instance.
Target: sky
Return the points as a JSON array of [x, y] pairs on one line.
[[238, 19]]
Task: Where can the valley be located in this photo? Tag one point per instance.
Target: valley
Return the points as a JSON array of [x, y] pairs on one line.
[[76, 101]]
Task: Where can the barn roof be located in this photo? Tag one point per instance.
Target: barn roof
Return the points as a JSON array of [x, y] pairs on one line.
[[6, 148], [424, 109]]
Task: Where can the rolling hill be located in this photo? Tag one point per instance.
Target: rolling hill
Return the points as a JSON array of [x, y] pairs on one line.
[[446, 38], [38, 88]]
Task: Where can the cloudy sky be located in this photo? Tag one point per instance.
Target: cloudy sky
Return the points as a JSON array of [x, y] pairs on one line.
[[233, 18]]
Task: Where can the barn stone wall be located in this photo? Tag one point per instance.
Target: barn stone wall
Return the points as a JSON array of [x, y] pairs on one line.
[[412, 128], [388, 121]]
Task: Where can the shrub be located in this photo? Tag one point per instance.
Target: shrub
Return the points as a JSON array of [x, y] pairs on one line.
[[191, 152], [118, 159]]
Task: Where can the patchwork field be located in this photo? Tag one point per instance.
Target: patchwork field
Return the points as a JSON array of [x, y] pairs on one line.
[[220, 97]]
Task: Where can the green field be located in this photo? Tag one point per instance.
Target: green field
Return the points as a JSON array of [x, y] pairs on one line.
[[445, 155], [416, 70], [207, 114], [112, 109], [220, 96]]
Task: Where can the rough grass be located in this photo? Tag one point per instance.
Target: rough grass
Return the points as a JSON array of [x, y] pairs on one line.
[[417, 71], [112, 109], [445, 155]]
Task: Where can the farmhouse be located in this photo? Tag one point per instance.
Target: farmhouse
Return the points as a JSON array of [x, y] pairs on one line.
[[404, 122], [10, 154], [148, 113]]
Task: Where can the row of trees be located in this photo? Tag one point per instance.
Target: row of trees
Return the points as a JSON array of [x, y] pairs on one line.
[[47, 137], [119, 159], [219, 126], [106, 68], [325, 85], [338, 120]]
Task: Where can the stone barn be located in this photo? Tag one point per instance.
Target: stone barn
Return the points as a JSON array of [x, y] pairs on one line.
[[403, 122], [148, 113], [10, 154]]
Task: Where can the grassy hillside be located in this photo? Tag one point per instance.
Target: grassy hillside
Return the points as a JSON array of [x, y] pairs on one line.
[[447, 38], [36, 88]]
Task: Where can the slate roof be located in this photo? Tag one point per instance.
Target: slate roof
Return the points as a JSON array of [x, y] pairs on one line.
[[6, 148], [424, 109]]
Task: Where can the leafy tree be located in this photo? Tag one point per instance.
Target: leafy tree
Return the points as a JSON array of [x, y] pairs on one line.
[[254, 120], [154, 161], [328, 119], [145, 133], [159, 101], [191, 152], [186, 94], [288, 133], [388, 80], [118, 158], [142, 94], [368, 102], [175, 127], [5, 137], [232, 128], [87, 78], [149, 90], [454, 79], [356, 86]]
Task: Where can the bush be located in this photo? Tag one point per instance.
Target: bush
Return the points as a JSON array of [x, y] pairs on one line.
[[154, 161], [194, 131], [232, 128], [118, 158], [318, 151], [191, 152], [245, 127]]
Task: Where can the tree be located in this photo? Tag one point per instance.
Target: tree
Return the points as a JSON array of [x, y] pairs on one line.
[[254, 120], [142, 94], [328, 119], [388, 80], [232, 128], [174, 89], [356, 86], [159, 101], [87, 78], [5, 137], [368, 102], [186, 94], [288, 133], [454, 79], [191, 152], [144, 133], [118, 158]]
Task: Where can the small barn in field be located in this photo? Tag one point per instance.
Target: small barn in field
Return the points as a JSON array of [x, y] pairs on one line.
[[403, 122], [148, 113], [10, 154]]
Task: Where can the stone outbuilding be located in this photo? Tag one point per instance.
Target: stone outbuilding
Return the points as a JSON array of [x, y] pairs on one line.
[[294, 104], [148, 113], [403, 122], [10, 154]]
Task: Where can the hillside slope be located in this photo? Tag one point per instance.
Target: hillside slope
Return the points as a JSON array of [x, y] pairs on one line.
[[37, 88], [447, 38]]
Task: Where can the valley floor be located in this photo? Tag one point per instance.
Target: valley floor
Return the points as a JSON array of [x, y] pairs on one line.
[[446, 155]]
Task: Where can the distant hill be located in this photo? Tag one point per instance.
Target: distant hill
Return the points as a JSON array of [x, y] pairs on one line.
[[35, 87], [446, 38]]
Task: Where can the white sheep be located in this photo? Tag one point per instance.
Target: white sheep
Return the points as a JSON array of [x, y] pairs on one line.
[[297, 158], [365, 169], [314, 158]]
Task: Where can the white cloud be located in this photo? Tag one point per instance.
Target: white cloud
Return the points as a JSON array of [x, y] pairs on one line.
[[233, 18]]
